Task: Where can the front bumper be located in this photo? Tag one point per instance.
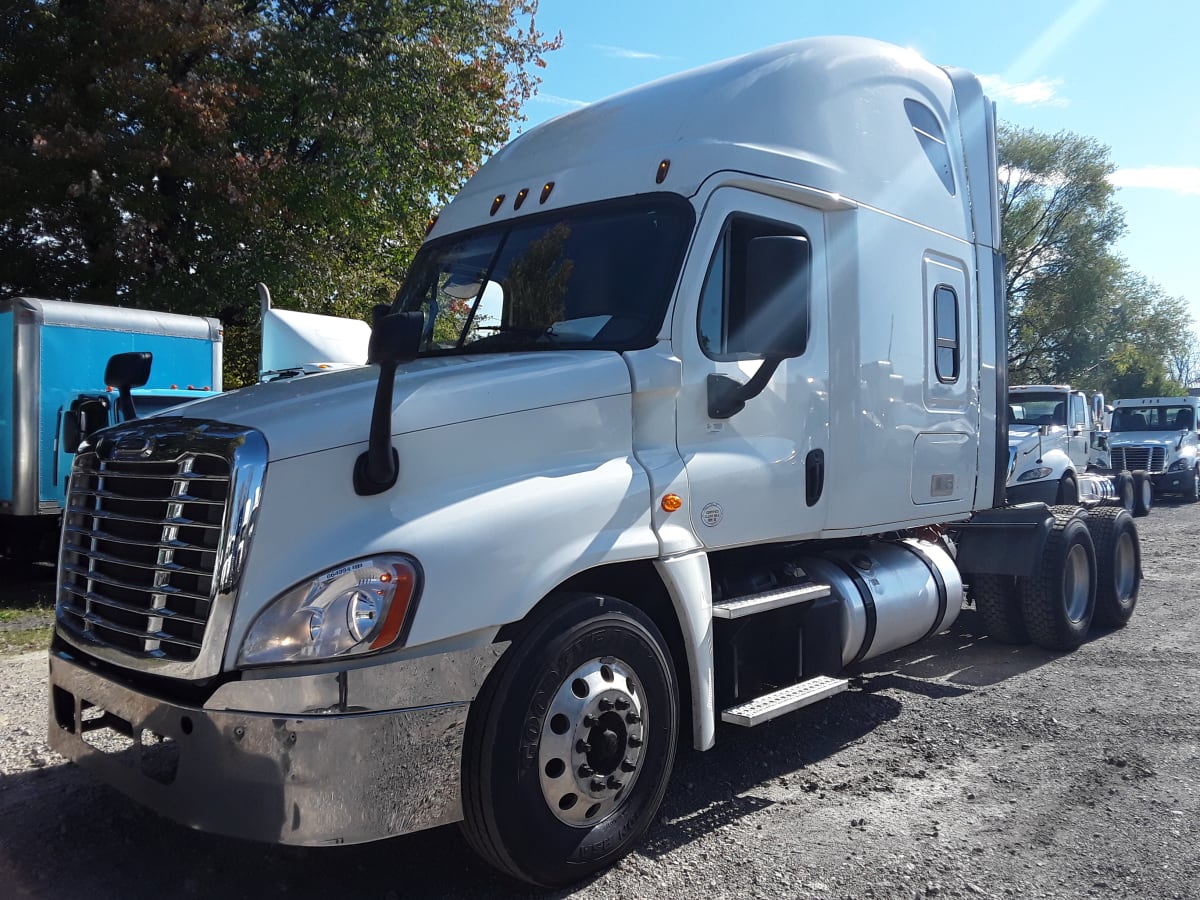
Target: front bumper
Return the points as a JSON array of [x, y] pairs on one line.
[[317, 761], [1044, 491]]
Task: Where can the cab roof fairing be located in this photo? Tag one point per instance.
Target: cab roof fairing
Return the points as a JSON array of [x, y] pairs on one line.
[[826, 113]]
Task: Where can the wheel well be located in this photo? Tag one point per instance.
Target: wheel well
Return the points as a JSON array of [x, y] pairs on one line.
[[639, 584]]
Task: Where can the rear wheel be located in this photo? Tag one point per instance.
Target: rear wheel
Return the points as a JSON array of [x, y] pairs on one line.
[[998, 602], [1143, 493], [1059, 600], [570, 744], [1118, 564]]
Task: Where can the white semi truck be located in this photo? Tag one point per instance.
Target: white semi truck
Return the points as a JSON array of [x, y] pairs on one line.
[[1058, 451], [1158, 435], [692, 398]]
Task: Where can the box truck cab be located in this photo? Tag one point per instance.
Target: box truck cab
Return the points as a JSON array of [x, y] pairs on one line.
[[53, 356], [672, 419], [1158, 434]]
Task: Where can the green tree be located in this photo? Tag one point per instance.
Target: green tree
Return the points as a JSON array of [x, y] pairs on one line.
[[168, 154]]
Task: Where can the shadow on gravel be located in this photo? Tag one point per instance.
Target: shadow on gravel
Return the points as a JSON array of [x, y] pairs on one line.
[[26, 585]]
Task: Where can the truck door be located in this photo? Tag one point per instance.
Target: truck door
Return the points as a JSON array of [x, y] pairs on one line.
[[1079, 430], [760, 474]]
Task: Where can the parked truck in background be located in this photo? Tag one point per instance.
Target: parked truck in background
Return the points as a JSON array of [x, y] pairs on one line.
[[1158, 435], [1058, 451], [691, 398], [53, 356]]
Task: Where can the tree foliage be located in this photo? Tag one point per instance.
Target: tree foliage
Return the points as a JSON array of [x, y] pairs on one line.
[[168, 154], [1077, 313]]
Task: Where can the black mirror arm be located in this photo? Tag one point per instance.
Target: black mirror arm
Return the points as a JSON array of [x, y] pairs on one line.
[[377, 469], [727, 397], [125, 403]]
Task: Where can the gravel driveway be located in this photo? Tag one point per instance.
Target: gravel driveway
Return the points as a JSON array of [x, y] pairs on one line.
[[955, 768]]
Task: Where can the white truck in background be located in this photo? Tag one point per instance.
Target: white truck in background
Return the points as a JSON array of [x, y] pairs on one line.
[[691, 398], [1058, 451], [1158, 435]]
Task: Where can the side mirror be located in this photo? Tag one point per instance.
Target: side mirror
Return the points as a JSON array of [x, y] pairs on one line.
[[395, 339], [125, 371], [777, 284], [72, 430]]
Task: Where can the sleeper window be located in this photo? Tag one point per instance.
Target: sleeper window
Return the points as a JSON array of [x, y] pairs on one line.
[[945, 327]]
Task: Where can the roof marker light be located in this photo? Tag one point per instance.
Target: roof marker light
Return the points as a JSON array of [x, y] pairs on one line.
[[546, 189], [429, 227], [663, 168], [496, 203], [521, 195]]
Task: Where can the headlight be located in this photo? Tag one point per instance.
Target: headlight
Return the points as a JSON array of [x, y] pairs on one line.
[[1180, 464], [1035, 474], [361, 607]]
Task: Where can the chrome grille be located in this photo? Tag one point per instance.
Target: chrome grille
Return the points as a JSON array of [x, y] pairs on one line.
[[155, 538], [1152, 459], [139, 555]]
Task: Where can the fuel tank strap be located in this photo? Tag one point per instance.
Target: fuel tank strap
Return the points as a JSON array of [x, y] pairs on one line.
[[943, 595], [868, 600]]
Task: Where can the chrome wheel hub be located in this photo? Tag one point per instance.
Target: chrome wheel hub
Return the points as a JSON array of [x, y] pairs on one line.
[[592, 742]]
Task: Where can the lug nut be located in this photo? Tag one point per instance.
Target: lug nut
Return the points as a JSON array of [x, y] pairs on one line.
[[621, 704], [605, 704], [582, 746], [635, 741], [597, 784], [615, 783], [632, 718], [590, 721], [628, 765], [586, 771]]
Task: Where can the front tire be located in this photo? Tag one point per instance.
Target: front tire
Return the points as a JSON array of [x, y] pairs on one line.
[[1068, 490], [1124, 488], [569, 745], [1192, 494], [1118, 564], [1059, 600], [1143, 493]]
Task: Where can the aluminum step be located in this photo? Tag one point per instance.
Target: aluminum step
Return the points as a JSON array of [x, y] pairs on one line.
[[757, 603], [785, 700]]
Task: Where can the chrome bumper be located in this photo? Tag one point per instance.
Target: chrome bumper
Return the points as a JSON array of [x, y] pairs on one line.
[[338, 772]]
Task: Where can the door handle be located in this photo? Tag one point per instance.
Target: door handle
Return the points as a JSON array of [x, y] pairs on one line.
[[814, 476]]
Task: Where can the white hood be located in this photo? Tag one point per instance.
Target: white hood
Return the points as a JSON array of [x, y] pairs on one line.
[[319, 412]]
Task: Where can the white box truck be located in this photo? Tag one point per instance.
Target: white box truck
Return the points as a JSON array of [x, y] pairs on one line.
[[691, 398]]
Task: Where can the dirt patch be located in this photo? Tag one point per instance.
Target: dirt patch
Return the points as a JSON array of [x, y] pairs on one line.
[[954, 768]]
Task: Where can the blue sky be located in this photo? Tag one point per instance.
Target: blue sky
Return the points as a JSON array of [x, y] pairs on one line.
[[1126, 73]]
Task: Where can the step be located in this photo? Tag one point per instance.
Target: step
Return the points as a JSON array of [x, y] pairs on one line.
[[773, 599], [785, 700]]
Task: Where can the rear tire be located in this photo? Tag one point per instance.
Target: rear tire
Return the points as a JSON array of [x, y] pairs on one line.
[[1143, 493], [1118, 564], [998, 602], [570, 743], [1059, 600], [1124, 488]]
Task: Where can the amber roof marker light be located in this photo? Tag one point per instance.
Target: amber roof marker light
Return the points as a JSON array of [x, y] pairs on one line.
[[496, 203], [663, 168], [546, 189], [520, 198]]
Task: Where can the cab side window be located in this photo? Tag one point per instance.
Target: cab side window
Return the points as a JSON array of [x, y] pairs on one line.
[[733, 326]]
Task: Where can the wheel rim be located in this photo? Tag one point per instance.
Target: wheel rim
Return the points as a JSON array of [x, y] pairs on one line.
[[1125, 567], [1076, 582], [592, 742]]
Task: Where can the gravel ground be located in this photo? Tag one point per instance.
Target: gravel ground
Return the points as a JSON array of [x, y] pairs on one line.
[[954, 768]]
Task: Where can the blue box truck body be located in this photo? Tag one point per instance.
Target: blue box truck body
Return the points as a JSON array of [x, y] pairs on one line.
[[52, 359]]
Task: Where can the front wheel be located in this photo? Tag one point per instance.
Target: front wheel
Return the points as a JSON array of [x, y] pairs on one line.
[[1068, 490], [570, 743], [1192, 492], [1124, 489]]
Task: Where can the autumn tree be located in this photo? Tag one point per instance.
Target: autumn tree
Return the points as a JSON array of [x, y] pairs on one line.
[[1076, 312], [168, 154]]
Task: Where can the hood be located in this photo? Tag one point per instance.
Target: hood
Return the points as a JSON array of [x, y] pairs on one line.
[[1022, 435], [1166, 439], [319, 412]]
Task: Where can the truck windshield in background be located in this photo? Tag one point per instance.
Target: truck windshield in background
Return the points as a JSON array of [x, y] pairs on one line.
[[1154, 418], [595, 277], [1037, 409]]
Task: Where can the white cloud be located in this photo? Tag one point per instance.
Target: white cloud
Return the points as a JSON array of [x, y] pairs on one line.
[[1178, 179], [1040, 92], [625, 53], [555, 100]]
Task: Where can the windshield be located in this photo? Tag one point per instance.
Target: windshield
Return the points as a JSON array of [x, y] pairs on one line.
[[1037, 409], [1153, 418], [597, 276]]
